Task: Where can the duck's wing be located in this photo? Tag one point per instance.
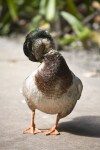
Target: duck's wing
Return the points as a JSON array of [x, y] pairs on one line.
[[78, 85]]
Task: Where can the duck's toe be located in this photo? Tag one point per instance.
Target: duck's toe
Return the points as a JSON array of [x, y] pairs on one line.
[[31, 130], [51, 131]]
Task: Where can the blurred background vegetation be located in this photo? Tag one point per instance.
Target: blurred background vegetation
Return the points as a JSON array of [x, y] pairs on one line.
[[69, 21]]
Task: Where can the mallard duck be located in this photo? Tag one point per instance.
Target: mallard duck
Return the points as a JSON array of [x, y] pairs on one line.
[[52, 88]]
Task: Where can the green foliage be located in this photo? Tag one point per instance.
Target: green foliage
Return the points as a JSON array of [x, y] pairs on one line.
[[37, 10], [81, 31], [47, 12], [71, 8], [73, 21], [35, 22], [34, 13], [67, 40], [48, 9], [12, 9], [51, 10], [43, 5]]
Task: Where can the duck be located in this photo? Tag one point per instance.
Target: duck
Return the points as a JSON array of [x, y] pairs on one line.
[[52, 88]]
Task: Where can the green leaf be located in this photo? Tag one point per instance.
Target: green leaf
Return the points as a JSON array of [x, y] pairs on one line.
[[42, 8], [84, 34], [81, 31], [5, 29], [73, 21], [71, 8], [35, 22], [51, 10], [12, 9], [67, 40], [6, 18]]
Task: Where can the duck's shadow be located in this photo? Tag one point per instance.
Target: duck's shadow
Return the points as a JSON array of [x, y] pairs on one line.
[[83, 126]]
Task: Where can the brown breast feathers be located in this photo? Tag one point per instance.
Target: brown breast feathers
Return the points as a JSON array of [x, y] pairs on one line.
[[54, 78]]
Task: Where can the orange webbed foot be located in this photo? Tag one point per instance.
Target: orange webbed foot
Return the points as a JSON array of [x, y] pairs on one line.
[[31, 130], [51, 131]]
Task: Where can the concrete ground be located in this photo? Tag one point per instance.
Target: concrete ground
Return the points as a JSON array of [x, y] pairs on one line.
[[80, 130]]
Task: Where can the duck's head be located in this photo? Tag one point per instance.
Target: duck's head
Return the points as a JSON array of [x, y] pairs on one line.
[[37, 44]]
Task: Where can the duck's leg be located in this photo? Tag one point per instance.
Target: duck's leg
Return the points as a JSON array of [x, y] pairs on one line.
[[32, 128], [54, 129]]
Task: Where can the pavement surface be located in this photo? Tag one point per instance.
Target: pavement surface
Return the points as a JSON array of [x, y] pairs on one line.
[[80, 130]]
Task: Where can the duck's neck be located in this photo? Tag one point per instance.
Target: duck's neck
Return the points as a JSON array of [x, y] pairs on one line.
[[54, 65], [53, 72]]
